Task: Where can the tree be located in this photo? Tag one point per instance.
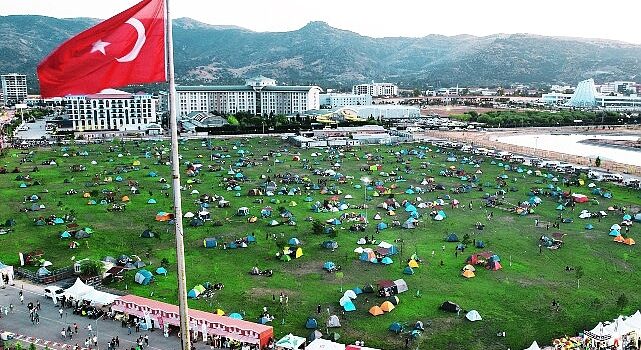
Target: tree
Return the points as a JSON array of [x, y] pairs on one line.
[[578, 271], [318, 228], [597, 161], [91, 268], [622, 301], [32, 346], [232, 120]]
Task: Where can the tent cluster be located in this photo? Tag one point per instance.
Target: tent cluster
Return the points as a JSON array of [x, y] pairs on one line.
[[289, 253], [488, 260], [381, 255]]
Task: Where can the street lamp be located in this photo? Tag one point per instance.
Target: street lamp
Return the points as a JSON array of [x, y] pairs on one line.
[[366, 180]]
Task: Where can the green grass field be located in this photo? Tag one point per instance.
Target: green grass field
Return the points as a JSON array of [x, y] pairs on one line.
[[516, 299]]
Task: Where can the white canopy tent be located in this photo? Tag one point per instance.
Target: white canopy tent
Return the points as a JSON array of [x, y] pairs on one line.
[[534, 346], [6, 271], [324, 344], [81, 291]]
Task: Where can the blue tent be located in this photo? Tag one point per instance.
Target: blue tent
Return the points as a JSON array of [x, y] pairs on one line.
[[614, 233], [381, 226], [410, 208], [210, 242], [442, 213], [336, 222], [560, 207], [236, 316], [263, 320], [589, 227], [408, 270], [480, 244], [151, 201], [143, 277], [358, 290], [251, 239], [364, 257], [386, 260], [627, 217], [152, 174], [328, 265], [192, 294], [293, 241], [311, 323], [396, 327], [65, 234], [452, 237], [349, 306], [60, 221], [409, 191], [161, 271]]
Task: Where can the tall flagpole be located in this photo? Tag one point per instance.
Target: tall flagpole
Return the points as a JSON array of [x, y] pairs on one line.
[[175, 172]]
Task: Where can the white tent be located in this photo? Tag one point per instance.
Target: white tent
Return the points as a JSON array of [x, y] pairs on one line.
[[78, 290], [473, 316], [634, 321], [6, 270], [401, 286], [324, 344], [534, 346], [385, 245], [81, 291], [333, 322], [290, 342], [99, 297]]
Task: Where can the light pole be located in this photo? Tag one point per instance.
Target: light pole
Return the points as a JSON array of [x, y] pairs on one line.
[[366, 181]]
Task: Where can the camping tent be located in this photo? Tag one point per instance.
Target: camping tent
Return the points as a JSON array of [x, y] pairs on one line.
[[534, 346], [210, 242], [311, 323], [450, 306], [387, 306], [333, 322], [452, 237], [143, 277], [376, 310], [473, 316], [147, 234]]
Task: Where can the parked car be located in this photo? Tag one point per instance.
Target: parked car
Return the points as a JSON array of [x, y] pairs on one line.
[[7, 336], [54, 291]]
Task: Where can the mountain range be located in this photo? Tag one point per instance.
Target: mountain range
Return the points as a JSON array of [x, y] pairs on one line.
[[320, 54]]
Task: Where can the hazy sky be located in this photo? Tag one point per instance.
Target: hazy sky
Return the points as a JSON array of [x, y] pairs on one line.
[[611, 19]]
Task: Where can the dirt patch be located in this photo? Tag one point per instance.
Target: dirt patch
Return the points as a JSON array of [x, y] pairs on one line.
[[302, 268], [506, 219]]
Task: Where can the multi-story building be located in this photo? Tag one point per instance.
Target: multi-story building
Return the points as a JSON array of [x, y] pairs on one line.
[[258, 96], [14, 88], [376, 89], [341, 100], [112, 110]]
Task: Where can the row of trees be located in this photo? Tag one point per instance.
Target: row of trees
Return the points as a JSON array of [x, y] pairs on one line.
[[543, 118]]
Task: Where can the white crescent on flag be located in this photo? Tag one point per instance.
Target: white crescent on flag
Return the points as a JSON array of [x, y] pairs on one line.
[[140, 41]]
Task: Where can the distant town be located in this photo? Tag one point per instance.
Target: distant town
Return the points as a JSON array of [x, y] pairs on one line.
[[261, 105]]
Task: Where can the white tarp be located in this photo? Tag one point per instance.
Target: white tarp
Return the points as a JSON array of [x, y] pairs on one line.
[[634, 321], [324, 344]]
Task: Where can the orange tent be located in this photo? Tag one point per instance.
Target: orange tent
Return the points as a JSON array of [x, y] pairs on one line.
[[387, 306], [629, 241], [375, 310], [619, 239], [468, 274], [164, 217], [125, 199]]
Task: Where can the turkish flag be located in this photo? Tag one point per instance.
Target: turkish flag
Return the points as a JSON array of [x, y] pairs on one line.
[[128, 48]]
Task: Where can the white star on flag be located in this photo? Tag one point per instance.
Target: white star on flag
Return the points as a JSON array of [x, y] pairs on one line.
[[100, 46]]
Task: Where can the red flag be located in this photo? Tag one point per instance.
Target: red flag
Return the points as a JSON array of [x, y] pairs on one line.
[[128, 48]]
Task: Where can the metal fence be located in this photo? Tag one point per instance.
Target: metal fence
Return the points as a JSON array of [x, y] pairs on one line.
[[55, 276]]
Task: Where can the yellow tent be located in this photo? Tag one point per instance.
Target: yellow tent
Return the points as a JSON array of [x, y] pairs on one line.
[[86, 195], [376, 310], [108, 179], [468, 274], [375, 194], [125, 199], [136, 163], [293, 204], [413, 264], [581, 182], [220, 312], [252, 219], [391, 213], [299, 252], [387, 306], [469, 267]]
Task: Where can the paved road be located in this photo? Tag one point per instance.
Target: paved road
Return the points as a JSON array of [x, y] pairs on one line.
[[48, 331]]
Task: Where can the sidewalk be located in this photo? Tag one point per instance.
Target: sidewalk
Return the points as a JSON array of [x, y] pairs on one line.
[[47, 333]]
